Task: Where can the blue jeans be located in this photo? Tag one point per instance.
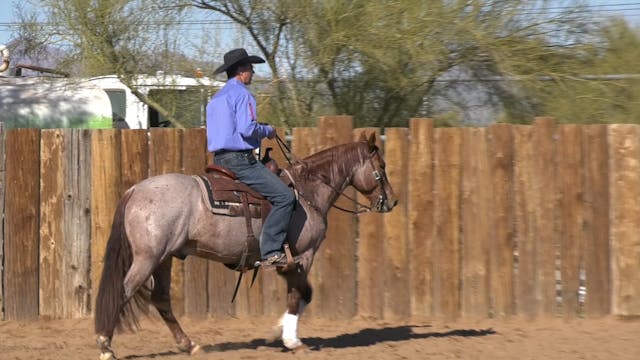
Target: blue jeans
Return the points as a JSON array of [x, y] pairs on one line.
[[252, 173]]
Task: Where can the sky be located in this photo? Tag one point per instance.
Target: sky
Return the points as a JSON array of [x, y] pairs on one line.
[[627, 8]]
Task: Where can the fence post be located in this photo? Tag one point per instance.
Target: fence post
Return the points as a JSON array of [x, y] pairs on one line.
[[371, 290], [476, 223], [501, 155], [194, 161], [624, 155], [165, 156], [52, 239], [335, 263], [105, 192], [446, 254], [22, 211], [571, 229], [545, 199], [304, 143], [420, 210], [397, 300], [596, 220]]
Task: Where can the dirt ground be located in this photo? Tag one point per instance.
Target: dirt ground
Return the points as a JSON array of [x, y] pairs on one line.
[[607, 338]]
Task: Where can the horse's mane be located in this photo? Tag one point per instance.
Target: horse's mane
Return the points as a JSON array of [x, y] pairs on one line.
[[333, 161]]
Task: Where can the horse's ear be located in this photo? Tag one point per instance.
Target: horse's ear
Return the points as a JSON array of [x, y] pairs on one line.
[[363, 136], [372, 141]]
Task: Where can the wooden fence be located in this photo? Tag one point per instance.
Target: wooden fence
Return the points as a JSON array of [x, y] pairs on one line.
[[539, 220]]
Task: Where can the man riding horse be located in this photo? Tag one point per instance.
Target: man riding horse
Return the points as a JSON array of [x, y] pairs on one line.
[[233, 133]]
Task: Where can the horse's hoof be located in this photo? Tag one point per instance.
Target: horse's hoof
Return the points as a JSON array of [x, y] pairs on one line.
[[293, 344], [107, 356], [190, 348], [195, 349]]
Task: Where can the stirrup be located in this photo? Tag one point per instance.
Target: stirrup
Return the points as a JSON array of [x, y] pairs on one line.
[[289, 265]]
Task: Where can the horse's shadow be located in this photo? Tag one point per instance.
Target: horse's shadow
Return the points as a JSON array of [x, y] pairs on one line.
[[364, 337]]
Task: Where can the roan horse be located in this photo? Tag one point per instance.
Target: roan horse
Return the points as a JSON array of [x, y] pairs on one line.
[[166, 216]]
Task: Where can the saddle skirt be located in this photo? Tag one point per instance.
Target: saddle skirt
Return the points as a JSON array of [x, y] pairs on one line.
[[224, 195]]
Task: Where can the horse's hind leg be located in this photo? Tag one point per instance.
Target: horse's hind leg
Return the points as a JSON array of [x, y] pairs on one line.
[[137, 274], [161, 299]]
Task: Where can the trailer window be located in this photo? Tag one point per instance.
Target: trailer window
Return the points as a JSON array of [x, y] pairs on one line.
[[118, 100], [186, 106]]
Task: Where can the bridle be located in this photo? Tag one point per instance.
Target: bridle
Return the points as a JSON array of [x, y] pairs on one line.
[[360, 207]]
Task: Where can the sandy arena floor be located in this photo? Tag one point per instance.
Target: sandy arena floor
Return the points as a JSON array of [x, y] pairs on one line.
[[606, 338]]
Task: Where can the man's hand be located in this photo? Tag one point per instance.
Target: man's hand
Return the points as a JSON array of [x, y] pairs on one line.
[[272, 133]]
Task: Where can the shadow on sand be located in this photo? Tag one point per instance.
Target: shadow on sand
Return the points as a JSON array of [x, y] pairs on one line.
[[364, 337]]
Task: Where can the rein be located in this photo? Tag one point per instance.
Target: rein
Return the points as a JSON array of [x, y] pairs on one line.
[[360, 208], [283, 146]]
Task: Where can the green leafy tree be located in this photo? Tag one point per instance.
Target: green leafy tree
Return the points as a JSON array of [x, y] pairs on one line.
[[606, 87], [387, 61]]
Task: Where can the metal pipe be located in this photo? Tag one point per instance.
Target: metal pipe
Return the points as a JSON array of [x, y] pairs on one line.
[[4, 51]]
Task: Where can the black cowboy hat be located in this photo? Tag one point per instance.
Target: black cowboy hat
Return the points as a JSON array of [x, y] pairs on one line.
[[238, 56]]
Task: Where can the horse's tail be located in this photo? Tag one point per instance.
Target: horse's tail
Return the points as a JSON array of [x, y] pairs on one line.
[[112, 310]]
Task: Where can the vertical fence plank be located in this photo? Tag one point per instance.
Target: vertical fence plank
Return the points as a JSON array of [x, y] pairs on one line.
[[77, 223], [397, 304], [476, 223], [105, 192], [545, 197], [420, 213], [525, 210], [371, 288], [304, 143], [271, 289], [571, 219], [194, 160], [502, 237], [52, 240], [65, 224], [447, 153], [134, 157], [220, 284], [624, 159], [336, 258], [165, 156], [21, 224], [2, 205], [597, 252], [268, 291]]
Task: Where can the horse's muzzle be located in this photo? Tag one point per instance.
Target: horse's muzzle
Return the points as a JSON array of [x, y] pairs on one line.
[[385, 205]]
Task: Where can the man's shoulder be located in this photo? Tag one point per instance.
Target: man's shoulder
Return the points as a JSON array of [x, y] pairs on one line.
[[230, 89], [237, 91]]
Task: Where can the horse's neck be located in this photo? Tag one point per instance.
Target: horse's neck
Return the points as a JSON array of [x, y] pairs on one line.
[[322, 190]]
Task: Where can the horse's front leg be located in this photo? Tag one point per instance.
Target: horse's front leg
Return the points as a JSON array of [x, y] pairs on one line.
[[298, 296]]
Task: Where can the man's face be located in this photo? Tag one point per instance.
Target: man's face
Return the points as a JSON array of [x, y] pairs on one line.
[[245, 73]]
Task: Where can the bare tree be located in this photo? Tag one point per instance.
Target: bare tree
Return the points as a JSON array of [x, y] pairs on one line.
[[122, 37]]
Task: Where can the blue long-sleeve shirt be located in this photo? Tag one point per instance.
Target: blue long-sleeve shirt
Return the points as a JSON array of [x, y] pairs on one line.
[[231, 119]]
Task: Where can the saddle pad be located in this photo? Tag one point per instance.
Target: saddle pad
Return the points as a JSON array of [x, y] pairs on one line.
[[229, 204]]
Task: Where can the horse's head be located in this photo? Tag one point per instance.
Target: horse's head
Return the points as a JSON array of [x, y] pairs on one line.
[[370, 179]]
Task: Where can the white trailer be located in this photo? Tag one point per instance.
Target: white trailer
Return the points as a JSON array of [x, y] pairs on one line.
[[47, 102], [101, 102], [190, 94]]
